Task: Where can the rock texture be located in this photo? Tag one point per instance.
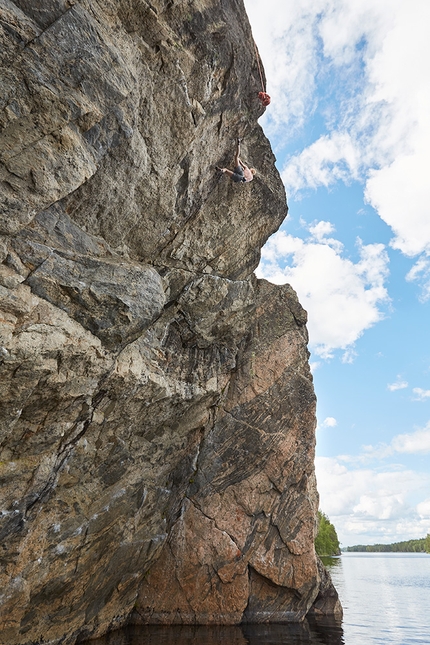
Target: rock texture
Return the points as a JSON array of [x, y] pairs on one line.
[[157, 409]]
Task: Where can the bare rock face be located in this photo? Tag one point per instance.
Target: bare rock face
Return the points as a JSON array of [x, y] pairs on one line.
[[157, 409], [242, 547]]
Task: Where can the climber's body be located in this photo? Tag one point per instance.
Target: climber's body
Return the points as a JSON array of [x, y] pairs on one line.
[[241, 172]]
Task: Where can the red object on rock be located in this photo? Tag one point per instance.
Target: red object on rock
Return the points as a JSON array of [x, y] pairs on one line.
[[264, 98]]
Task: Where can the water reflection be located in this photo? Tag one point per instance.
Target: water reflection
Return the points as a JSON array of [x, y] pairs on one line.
[[308, 633], [384, 597], [331, 561]]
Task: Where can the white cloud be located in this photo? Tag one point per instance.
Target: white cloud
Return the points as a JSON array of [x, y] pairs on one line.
[[370, 453], [329, 422], [398, 385], [285, 33], [387, 504], [400, 190], [420, 273], [320, 230], [374, 59], [323, 163], [424, 509], [378, 54], [417, 442], [383, 506], [342, 298], [349, 355], [369, 506], [421, 395]]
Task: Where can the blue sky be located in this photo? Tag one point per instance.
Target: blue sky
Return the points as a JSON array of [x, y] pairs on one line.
[[349, 123]]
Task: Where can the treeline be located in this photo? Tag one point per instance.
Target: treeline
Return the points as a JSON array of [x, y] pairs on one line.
[[326, 541], [422, 545]]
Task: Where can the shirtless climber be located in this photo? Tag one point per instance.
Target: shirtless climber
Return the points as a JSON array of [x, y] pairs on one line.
[[241, 172]]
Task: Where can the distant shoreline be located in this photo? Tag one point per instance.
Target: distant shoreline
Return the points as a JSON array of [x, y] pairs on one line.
[[420, 545]]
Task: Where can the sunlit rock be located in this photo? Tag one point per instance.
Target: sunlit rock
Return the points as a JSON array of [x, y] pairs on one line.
[[157, 408]]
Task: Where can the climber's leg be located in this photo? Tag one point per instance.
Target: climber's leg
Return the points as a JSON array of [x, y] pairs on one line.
[[237, 155]]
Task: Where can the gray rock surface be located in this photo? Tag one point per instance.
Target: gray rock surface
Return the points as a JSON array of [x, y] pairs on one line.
[[157, 412]]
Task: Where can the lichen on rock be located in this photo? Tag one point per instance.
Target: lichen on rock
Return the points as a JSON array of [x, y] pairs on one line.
[[157, 422]]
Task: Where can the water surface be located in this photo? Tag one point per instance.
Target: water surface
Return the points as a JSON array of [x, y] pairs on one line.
[[385, 598], [327, 633]]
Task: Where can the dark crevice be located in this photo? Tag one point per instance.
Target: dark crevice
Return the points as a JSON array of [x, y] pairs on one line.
[[46, 27]]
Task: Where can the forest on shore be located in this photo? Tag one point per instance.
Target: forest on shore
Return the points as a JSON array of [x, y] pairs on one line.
[[326, 541], [421, 545]]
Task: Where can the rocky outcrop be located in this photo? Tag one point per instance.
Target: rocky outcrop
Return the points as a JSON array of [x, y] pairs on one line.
[[157, 409]]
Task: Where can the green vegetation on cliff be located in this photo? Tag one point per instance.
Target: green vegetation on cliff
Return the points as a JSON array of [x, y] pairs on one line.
[[421, 545], [326, 541]]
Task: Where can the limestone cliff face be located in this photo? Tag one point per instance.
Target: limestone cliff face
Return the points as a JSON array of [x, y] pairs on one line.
[[157, 409]]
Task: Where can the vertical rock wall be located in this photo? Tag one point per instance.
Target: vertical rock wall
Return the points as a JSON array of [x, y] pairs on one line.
[[242, 548], [157, 410]]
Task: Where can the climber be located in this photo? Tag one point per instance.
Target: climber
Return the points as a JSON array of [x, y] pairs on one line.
[[241, 172]]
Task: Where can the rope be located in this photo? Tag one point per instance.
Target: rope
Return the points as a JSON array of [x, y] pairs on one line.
[[263, 96], [258, 64]]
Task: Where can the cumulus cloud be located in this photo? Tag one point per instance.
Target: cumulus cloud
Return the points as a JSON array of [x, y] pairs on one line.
[[420, 394], [370, 505], [400, 190], [417, 443], [323, 163], [420, 273], [285, 34], [378, 132], [398, 385], [373, 58], [342, 298], [424, 509], [379, 505], [329, 422]]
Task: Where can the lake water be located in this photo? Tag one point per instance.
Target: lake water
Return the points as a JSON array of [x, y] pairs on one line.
[[385, 597]]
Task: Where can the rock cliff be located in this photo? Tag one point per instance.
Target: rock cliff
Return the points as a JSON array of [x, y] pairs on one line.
[[157, 409]]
